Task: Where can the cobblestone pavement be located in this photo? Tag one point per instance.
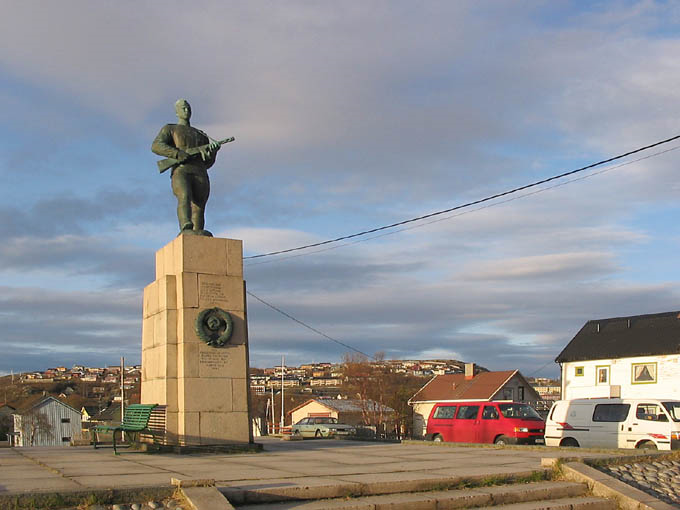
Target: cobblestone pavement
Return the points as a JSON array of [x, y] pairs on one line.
[[660, 479], [170, 504]]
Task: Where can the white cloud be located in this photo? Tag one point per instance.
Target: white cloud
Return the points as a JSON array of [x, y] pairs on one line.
[[349, 116]]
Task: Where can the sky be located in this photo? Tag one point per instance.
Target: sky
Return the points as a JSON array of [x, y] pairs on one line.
[[347, 116]]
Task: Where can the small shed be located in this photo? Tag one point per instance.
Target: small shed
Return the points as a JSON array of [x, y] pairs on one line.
[[349, 411], [49, 422]]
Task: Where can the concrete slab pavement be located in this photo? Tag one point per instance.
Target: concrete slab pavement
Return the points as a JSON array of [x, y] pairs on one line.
[[326, 462]]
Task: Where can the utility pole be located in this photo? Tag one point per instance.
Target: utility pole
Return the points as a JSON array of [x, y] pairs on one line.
[[122, 388], [283, 363], [272, 414]]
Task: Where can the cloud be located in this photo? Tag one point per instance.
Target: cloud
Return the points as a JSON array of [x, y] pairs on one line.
[[41, 324], [347, 117], [553, 266]]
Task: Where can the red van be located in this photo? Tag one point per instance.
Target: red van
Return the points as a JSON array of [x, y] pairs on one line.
[[485, 422]]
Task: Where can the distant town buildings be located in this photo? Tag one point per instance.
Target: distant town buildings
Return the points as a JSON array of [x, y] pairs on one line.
[[330, 375], [94, 393], [82, 373]]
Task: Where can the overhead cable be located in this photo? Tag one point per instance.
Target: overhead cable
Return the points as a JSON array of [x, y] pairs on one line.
[[307, 325], [462, 213], [468, 204]]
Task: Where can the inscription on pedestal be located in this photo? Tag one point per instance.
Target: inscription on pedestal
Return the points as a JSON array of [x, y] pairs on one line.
[[212, 291], [213, 363]]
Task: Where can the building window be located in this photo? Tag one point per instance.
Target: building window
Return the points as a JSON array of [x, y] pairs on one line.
[[508, 394], [66, 420], [578, 371], [643, 373], [602, 375], [520, 393]]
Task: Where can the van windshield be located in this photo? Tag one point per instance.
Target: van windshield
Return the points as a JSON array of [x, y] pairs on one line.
[[673, 409], [520, 411]]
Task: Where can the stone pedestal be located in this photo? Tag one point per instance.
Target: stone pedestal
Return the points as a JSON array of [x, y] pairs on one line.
[[204, 388]]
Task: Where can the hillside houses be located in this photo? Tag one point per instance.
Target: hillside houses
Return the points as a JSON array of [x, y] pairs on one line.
[[109, 374], [330, 375]]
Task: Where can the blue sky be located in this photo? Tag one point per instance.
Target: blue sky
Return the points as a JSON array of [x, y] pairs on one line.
[[347, 116]]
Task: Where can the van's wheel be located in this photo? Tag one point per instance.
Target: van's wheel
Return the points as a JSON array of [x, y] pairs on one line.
[[318, 434], [438, 438], [569, 441], [502, 440], [646, 445]]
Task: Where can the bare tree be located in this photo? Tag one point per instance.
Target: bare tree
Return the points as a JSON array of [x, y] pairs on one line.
[[6, 424], [35, 424], [367, 380], [376, 387]]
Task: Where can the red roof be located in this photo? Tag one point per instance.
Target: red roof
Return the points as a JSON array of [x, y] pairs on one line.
[[482, 386]]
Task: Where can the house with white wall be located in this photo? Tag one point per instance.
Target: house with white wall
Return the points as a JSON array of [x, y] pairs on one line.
[[466, 387], [348, 411], [627, 357]]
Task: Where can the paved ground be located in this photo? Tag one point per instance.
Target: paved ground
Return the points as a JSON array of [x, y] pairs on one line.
[[310, 462]]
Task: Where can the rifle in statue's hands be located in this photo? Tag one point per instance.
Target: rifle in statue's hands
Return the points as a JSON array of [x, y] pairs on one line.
[[167, 163]]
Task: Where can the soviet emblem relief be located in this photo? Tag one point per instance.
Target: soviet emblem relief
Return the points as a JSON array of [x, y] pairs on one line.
[[214, 326]]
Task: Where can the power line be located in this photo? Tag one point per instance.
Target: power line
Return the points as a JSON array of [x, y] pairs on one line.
[[488, 206], [468, 204], [307, 325], [539, 370]]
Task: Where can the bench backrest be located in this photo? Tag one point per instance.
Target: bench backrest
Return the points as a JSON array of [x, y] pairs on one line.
[[137, 416]]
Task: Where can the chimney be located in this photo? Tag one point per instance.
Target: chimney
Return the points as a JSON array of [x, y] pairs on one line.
[[469, 371]]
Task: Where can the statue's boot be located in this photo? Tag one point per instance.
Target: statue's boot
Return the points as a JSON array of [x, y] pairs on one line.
[[187, 228]]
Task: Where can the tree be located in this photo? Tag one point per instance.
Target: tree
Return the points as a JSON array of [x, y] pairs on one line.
[[34, 424], [5, 426], [375, 386], [367, 381]]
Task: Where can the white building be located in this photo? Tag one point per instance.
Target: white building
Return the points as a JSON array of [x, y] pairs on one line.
[[627, 357], [48, 422]]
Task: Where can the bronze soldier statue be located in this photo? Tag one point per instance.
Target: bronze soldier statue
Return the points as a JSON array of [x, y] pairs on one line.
[[190, 153]]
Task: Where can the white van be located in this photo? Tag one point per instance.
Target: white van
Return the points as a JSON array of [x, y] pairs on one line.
[[614, 423]]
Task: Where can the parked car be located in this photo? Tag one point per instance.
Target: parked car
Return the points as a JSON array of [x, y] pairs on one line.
[[614, 423], [485, 422], [321, 427]]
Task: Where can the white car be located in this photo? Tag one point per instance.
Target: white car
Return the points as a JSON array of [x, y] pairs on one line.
[[321, 427]]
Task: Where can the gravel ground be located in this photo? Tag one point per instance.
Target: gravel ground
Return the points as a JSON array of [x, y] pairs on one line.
[[660, 479]]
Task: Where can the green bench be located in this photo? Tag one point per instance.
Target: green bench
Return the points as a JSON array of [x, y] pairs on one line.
[[135, 420]]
